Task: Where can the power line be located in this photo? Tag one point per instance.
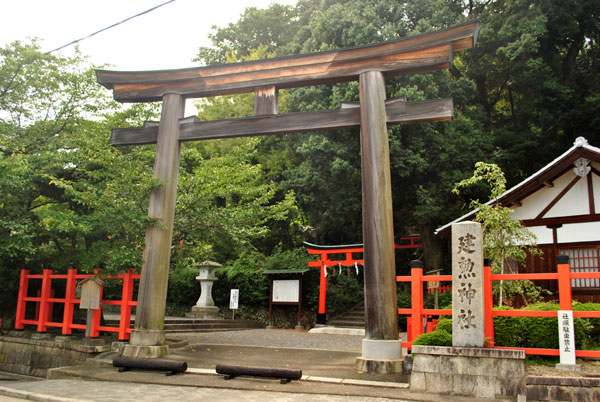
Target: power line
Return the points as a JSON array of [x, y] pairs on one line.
[[111, 26]]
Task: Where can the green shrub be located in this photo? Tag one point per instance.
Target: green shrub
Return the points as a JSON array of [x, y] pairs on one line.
[[444, 324], [183, 288], [245, 274], [542, 332], [509, 331], [537, 332], [435, 338], [343, 292], [592, 324]]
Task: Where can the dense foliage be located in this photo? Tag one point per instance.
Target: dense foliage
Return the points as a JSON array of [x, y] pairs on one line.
[[67, 198], [527, 332], [522, 96]]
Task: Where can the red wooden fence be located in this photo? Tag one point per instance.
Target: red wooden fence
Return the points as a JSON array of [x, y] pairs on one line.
[[564, 276], [45, 301]]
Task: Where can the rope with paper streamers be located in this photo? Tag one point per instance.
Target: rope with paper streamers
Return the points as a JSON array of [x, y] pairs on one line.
[[339, 268]]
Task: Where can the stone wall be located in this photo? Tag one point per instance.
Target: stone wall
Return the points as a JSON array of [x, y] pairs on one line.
[[35, 356], [478, 372], [576, 389]]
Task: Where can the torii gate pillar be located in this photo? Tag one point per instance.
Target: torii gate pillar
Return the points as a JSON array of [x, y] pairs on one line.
[[148, 336], [381, 349]]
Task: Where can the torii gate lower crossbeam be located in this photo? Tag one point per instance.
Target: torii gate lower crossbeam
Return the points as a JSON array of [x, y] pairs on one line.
[[368, 65]]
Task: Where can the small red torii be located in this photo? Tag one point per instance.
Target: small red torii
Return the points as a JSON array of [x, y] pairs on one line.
[[324, 261]]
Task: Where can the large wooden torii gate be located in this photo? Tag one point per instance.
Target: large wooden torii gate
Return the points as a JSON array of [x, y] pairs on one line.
[[367, 64]]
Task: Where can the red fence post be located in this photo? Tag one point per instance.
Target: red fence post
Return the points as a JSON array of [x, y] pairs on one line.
[[70, 291], [416, 299], [488, 302], [126, 299], [23, 284], [44, 296], [564, 282]]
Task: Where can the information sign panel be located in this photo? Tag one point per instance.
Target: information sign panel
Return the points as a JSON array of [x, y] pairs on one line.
[[286, 291]]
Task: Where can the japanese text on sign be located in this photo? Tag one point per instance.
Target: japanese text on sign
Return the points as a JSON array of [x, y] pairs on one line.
[[234, 299]]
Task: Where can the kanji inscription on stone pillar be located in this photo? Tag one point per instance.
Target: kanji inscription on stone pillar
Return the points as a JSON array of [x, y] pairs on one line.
[[467, 285]]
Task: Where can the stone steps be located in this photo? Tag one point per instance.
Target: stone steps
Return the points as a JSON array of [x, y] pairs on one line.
[[347, 324], [175, 324], [353, 318], [355, 315], [205, 325]]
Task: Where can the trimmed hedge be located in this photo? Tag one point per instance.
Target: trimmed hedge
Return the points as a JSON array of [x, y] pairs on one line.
[[437, 338], [535, 332], [593, 324], [528, 332], [444, 324]]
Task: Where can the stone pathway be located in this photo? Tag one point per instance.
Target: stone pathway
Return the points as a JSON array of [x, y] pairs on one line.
[[100, 391], [275, 338]]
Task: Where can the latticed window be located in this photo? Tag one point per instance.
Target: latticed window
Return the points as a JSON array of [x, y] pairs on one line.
[[583, 259]]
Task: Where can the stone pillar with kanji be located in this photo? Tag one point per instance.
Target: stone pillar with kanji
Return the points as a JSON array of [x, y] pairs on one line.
[[467, 285]]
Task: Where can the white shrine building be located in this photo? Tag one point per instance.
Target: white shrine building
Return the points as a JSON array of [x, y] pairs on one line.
[[560, 204]]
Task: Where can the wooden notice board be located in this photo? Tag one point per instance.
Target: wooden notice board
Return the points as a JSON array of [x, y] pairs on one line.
[[286, 289]]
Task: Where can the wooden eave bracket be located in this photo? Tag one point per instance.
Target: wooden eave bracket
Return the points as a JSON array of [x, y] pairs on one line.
[[398, 111]]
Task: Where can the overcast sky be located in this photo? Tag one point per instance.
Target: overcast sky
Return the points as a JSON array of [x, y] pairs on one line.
[[166, 38]]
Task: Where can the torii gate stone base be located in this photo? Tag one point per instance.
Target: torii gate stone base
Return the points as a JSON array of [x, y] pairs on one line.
[[370, 65]]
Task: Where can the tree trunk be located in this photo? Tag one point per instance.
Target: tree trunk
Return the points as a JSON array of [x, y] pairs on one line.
[[433, 251]]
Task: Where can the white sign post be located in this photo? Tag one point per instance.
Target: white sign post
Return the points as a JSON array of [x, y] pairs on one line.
[[566, 341], [234, 301]]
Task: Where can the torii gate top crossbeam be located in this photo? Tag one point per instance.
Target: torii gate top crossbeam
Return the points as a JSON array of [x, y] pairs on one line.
[[416, 54]]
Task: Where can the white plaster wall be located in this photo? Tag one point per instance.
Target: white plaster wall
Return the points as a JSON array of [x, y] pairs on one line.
[[536, 202], [574, 202], [543, 234], [572, 233], [596, 185], [579, 232]]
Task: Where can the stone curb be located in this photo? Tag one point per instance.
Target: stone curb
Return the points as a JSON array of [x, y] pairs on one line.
[[33, 396], [312, 378], [564, 381], [59, 345]]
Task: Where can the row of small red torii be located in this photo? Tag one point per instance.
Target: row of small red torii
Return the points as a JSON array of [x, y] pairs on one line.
[[325, 261]]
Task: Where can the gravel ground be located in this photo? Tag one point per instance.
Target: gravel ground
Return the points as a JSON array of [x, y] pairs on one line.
[[283, 338], [277, 338]]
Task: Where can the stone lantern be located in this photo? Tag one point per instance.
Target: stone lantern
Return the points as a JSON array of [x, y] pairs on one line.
[[205, 306]]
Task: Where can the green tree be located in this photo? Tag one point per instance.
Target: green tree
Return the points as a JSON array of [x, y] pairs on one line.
[[272, 28], [68, 197], [521, 96], [504, 238], [225, 207]]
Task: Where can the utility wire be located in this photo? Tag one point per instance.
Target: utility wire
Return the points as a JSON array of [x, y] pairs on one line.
[[111, 26]]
